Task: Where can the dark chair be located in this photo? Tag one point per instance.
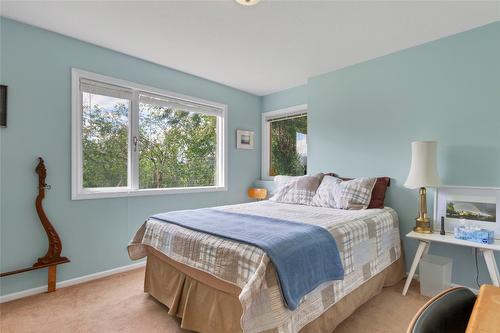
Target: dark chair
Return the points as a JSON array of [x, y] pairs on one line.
[[447, 312]]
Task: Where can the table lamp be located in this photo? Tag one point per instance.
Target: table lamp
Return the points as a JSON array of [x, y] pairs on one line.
[[423, 173]]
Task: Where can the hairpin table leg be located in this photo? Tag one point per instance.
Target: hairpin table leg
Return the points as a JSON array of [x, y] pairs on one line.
[[423, 247]]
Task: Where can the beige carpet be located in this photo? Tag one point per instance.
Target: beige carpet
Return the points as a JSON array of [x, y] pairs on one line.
[[118, 304]]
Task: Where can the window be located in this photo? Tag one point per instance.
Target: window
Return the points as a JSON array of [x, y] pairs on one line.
[[284, 142], [178, 145], [129, 139]]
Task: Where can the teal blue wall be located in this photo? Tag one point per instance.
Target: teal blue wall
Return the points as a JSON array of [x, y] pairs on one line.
[[36, 65], [286, 98], [363, 118]]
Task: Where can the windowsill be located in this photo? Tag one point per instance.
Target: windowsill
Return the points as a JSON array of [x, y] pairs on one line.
[[99, 193]]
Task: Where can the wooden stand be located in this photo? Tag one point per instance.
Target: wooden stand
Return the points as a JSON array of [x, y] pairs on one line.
[[53, 256]]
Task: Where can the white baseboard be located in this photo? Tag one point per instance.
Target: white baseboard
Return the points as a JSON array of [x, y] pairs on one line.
[[70, 282], [475, 291]]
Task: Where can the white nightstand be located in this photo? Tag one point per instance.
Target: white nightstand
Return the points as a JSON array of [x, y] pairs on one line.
[[425, 242]]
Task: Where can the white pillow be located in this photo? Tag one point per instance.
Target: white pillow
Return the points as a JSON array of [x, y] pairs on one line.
[[280, 180], [325, 194]]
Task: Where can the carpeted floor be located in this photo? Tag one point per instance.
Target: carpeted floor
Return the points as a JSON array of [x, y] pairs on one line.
[[118, 304]]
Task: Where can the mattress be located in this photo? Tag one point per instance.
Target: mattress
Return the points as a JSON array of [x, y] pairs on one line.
[[368, 242]]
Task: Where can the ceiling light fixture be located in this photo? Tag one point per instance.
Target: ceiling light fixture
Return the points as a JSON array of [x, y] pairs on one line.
[[247, 2]]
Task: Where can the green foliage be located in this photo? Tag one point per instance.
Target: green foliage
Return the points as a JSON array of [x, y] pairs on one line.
[[176, 148], [467, 214], [450, 208], [284, 157], [105, 147]]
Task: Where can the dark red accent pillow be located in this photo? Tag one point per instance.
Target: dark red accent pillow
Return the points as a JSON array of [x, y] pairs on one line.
[[378, 192]]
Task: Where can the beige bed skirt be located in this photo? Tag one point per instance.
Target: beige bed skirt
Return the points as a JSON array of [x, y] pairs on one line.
[[207, 304]]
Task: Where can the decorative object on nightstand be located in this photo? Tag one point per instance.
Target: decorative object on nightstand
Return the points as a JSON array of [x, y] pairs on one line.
[[442, 232], [423, 173], [473, 209], [257, 193]]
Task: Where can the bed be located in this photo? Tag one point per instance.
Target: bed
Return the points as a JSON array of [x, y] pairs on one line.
[[219, 285]]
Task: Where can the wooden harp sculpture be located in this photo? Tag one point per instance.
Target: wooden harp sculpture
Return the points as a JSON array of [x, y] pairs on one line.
[[53, 256]]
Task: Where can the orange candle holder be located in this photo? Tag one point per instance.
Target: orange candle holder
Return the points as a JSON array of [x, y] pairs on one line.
[[257, 193]]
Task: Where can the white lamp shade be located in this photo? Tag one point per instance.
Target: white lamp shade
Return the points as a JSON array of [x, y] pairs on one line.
[[423, 170]]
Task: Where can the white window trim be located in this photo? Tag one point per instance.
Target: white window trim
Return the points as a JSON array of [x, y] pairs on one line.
[[77, 190], [290, 111]]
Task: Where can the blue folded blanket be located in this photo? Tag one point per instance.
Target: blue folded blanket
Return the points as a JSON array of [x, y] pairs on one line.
[[304, 255]]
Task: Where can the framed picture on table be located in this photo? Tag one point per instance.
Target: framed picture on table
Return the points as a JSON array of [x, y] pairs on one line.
[[479, 206]]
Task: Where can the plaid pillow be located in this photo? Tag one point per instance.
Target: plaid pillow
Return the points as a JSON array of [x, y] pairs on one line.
[[300, 190], [354, 194], [324, 196]]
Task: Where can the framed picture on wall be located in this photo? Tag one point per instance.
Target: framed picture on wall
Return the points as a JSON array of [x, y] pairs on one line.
[[244, 139], [478, 206]]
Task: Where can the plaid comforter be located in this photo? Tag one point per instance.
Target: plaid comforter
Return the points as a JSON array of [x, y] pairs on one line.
[[368, 242]]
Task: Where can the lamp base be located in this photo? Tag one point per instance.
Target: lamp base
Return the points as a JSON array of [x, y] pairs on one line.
[[423, 229], [423, 222]]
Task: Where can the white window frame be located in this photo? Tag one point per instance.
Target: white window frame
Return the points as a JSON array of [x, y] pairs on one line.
[[77, 190], [266, 148]]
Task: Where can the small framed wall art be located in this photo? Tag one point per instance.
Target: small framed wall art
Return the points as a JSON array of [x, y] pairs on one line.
[[479, 206], [244, 139]]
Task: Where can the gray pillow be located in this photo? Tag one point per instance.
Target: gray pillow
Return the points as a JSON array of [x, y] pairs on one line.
[[299, 190]]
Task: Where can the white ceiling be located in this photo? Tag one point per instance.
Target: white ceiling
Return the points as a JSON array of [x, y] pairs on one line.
[[262, 49]]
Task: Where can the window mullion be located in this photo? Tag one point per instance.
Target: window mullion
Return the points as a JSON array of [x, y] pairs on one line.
[[134, 143], [219, 151]]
